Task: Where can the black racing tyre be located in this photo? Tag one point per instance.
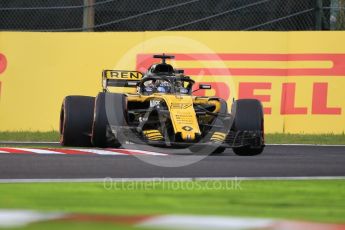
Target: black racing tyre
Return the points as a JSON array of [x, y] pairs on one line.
[[218, 151], [249, 116], [247, 151], [76, 119], [102, 135]]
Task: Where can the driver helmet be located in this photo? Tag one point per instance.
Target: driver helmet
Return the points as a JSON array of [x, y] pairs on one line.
[[163, 86], [180, 88], [149, 86]]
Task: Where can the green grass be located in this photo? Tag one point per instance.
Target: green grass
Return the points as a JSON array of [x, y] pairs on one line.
[[326, 139], [29, 136], [322, 200], [332, 139]]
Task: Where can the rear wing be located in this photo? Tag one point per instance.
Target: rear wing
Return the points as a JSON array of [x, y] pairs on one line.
[[120, 78]]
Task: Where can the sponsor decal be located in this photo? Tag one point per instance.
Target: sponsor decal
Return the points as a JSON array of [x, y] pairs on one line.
[[300, 83], [180, 105], [266, 66], [123, 75], [184, 119], [3, 66], [257, 64], [3, 63], [154, 103]]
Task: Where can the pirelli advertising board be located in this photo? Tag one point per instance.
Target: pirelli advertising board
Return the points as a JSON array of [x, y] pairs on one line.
[[298, 76]]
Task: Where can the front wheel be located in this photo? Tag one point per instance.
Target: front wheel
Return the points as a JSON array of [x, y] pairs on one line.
[[249, 122], [247, 151], [218, 151]]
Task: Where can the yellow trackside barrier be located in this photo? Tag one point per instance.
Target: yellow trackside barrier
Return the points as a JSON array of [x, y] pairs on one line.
[[298, 76]]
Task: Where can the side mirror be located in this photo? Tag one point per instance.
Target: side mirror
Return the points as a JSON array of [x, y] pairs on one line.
[[132, 83], [203, 86]]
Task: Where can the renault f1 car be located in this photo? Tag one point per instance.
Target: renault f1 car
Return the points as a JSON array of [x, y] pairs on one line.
[[162, 111]]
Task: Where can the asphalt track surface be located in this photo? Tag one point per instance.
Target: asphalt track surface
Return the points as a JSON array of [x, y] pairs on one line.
[[276, 161]]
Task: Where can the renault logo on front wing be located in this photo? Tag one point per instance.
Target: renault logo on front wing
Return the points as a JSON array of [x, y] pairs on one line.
[[187, 128]]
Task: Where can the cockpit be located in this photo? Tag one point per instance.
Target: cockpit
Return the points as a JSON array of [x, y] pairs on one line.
[[166, 85], [163, 78]]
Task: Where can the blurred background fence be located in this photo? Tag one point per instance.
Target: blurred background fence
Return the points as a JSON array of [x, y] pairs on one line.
[[153, 15]]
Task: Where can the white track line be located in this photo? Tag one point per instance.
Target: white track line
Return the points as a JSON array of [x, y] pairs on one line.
[[205, 222], [162, 179], [39, 151], [117, 152], [12, 218], [22, 218], [143, 152], [101, 152]]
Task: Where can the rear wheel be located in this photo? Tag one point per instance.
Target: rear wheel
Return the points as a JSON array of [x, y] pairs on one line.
[[76, 121], [249, 118], [109, 114]]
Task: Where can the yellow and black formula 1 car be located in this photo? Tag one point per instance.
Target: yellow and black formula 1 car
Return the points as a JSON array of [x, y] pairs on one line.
[[162, 112]]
